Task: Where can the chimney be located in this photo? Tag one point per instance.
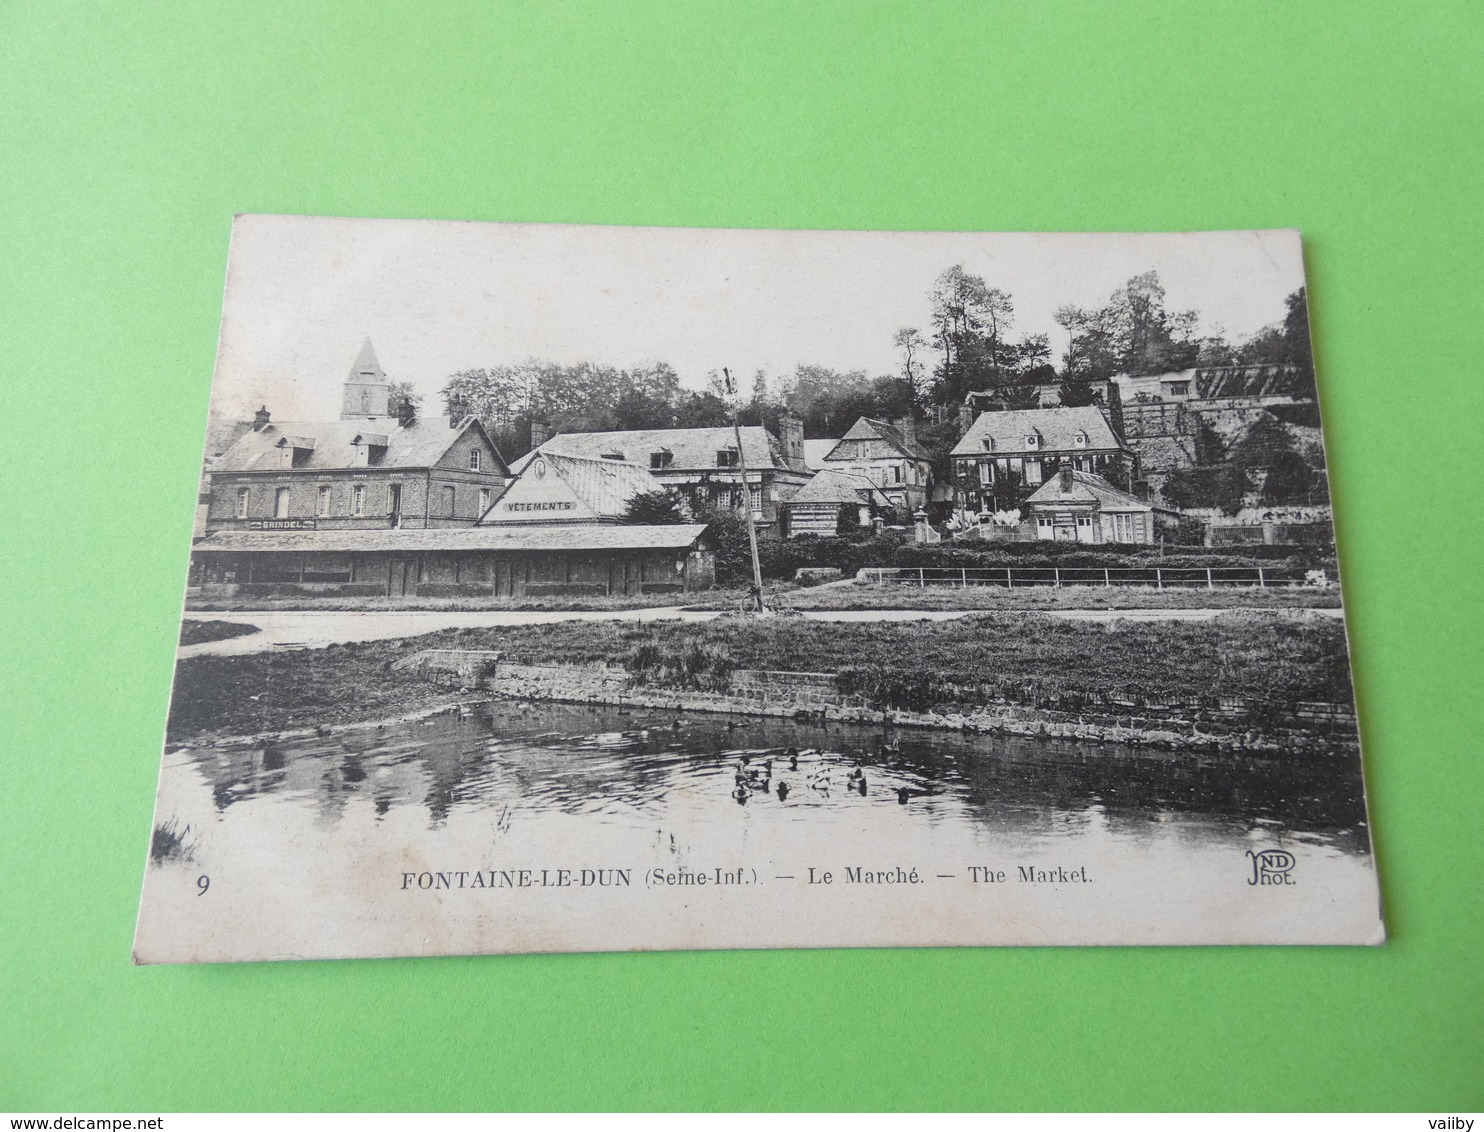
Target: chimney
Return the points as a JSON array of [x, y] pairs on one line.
[[1065, 486], [260, 419], [907, 426], [540, 433], [406, 412], [791, 433], [965, 418]]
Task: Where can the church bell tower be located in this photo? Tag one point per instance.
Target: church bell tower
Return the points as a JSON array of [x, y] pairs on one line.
[[367, 389]]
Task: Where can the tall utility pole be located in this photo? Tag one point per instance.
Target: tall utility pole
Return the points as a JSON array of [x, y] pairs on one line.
[[757, 570]]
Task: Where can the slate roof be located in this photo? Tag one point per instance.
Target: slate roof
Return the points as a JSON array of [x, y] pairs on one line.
[[1057, 429], [420, 444], [815, 451], [576, 537], [604, 485], [834, 487], [222, 433], [868, 428], [366, 370], [691, 449], [1088, 488]]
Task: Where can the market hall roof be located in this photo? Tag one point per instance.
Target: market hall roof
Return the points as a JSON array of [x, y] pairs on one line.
[[556, 488], [332, 445], [1055, 429], [689, 449], [576, 537]]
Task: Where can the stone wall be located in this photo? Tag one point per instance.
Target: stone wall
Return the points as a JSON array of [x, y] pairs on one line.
[[1228, 725]]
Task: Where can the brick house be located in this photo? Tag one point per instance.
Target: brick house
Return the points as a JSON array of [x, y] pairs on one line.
[[366, 470]]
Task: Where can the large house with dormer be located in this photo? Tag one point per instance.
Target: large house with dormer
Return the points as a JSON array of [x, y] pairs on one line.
[[369, 469], [1004, 457], [703, 465], [889, 457]]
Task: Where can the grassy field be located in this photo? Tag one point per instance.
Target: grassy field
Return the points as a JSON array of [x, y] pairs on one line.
[[1051, 597], [1028, 659]]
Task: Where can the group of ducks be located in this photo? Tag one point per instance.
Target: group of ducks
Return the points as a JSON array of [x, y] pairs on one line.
[[751, 777]]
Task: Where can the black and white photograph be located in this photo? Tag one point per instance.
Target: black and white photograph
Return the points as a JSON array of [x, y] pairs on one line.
[[574, 588]]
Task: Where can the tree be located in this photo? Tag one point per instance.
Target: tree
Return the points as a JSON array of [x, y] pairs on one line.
[[402, 399], [728, 530], [662, 507], [702, 410], [1289, 480], [911, 345], [1132, 332], [970, 320]]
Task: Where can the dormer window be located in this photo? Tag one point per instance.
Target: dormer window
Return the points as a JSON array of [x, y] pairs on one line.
[[370, 448], [728, 458], [661, 458], [613, 455], [1080, 440], [989, 444], [1032, 441], [294, 451], [474, 460]]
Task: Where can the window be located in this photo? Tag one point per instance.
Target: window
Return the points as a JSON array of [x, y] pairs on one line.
[[1032, 442], [662, 458], [1033, 471], [755, 497], [324, 501], [474, 459], [896, 473], [727, 458], [449, 499], [1179, 389], [394, 500], [1080, 440], [281, 503], [484, 500], [242, 503], [358, 500]]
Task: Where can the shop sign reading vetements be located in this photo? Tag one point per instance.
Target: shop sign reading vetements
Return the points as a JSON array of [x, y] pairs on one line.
[[281, 525], [552, 505]]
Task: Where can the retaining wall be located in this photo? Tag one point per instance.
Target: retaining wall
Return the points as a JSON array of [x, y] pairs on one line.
[[1229, 725]]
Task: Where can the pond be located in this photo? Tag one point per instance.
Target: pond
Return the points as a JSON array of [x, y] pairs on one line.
[[514, 826]]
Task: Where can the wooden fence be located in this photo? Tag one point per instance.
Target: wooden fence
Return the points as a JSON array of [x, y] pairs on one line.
[[1016, 577]]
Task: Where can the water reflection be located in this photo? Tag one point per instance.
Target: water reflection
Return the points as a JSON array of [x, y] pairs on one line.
[[633, 769]]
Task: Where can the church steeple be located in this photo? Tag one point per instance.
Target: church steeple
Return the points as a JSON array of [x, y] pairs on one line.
[[366, 388]]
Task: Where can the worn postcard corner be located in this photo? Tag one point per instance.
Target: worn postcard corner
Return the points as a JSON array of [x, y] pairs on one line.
[[560, 588]]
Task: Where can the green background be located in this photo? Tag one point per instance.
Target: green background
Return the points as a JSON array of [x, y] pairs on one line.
[[129, 134]]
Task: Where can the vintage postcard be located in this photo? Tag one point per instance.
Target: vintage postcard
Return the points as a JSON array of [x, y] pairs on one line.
[[561, 588]]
